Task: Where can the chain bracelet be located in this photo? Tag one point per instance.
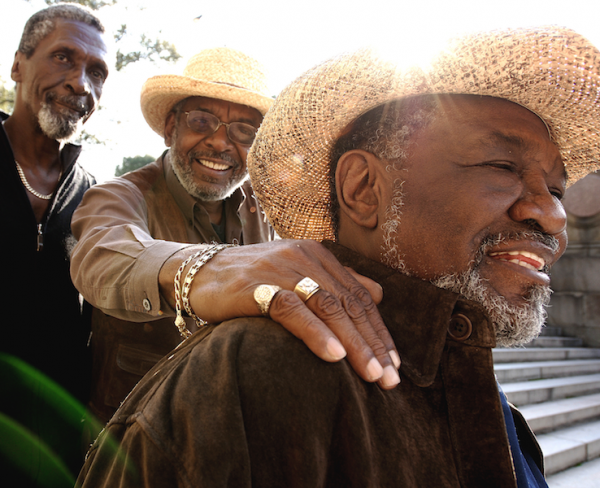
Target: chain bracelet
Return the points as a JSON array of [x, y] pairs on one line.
[[187, 283], [179, 321], [182, 292]]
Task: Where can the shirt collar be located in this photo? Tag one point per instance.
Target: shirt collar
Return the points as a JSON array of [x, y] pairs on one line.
[[418, 315]]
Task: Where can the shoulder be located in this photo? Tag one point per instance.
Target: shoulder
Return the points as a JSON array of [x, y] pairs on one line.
[[255, 358], [249, 356], [132, 185], [147, 176]]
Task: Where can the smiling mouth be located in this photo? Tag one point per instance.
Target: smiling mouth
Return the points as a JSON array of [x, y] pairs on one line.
[[213, 165], [525, 259]]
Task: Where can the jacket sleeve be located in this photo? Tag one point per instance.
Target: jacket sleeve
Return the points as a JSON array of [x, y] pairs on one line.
[[116, 262]]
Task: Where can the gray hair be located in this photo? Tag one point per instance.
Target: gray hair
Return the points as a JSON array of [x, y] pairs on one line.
[[43, 23], [385, 131]]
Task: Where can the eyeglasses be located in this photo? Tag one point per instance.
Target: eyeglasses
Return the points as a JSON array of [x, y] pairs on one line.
[[205, 123]]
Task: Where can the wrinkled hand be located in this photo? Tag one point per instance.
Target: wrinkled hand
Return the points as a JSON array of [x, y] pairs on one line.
[[340, 319]]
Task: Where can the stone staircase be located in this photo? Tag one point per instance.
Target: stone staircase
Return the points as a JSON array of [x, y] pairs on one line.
[[555, 382]]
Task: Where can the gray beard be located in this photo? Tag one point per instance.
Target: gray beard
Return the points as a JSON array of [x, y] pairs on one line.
[[184, 173], [514, 325], [59, 126]]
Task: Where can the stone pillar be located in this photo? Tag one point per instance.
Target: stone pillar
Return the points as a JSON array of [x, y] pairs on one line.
[[575, 304]]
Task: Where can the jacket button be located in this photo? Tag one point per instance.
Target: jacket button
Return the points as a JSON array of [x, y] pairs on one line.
[[146, 304], [460, 327]]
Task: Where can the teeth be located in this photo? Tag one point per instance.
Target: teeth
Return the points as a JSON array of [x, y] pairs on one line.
[[526, 254], [211, 165]]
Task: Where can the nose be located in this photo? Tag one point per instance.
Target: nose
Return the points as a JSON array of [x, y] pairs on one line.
[[219, 140], [78, 82], [539, 209]]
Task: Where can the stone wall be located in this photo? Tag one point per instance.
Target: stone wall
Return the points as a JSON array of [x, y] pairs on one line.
[[575, 304]]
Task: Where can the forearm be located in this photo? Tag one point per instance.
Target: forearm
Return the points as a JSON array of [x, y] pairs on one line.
[[116, 263]]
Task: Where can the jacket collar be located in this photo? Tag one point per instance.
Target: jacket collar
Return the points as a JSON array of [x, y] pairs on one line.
[[418, 315]]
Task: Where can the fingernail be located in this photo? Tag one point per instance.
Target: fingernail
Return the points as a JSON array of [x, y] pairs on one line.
[[335, 349], [395, 358], [374, 369], [390, 377]]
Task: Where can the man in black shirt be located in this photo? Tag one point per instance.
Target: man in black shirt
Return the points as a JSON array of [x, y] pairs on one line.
[[59, 69]]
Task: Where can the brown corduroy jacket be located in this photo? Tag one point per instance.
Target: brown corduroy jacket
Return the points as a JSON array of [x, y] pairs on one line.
[[247, 404]]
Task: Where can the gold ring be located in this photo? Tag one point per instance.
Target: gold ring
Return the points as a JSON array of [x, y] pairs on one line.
[[263, 295], [306, 288]]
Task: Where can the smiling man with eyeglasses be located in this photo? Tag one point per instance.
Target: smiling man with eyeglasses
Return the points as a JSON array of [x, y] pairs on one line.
[[140, 234], [209, 155]]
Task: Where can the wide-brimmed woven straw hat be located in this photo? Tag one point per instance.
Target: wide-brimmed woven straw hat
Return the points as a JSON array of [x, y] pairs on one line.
[[552, 71], [222, 73]]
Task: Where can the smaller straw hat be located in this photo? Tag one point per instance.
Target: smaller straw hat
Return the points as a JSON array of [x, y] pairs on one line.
[[552, 71], [221, 73]]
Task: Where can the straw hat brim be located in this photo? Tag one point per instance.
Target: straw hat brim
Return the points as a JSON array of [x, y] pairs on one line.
[[161, 93], [552, 71]]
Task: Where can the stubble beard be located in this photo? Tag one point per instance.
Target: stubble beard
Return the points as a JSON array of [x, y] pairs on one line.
[[514, 325], [390, 253], [182, 167]]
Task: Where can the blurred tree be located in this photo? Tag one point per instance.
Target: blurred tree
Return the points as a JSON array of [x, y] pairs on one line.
[[129, 164], [7, 97], [149, 48]]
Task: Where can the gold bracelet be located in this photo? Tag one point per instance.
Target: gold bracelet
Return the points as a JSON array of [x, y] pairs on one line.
[[202, 258], [179, 320]]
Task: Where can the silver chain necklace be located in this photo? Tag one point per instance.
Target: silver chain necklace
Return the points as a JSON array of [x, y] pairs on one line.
[[28, 186]]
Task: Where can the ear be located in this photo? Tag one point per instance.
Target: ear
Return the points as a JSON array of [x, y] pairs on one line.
[[358, 196], [15, 72], [170, 128]]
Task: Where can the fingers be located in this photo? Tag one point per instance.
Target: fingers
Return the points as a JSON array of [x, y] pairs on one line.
[[371, 286], [352, 321], [370, 348], [340, 320], [287, 308]]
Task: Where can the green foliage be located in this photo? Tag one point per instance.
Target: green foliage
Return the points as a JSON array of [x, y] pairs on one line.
[[87, 138], [130, 164], [151, 49], [7, 97]]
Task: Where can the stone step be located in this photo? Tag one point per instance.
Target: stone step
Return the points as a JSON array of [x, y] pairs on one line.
[[550, 330], [555, 341], [557, 414], [530, 392], [536, 370], [570, 446], [585, 475], [502, 355]]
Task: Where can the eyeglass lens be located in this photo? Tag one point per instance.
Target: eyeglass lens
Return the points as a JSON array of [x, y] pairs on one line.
[[205, 123]]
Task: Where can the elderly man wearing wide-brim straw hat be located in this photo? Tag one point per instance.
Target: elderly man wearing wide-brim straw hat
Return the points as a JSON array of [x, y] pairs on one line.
[[443, 184], [135, 264]]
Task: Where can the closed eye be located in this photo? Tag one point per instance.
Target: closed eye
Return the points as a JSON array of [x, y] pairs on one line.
[[507, 165], [556, 193]]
